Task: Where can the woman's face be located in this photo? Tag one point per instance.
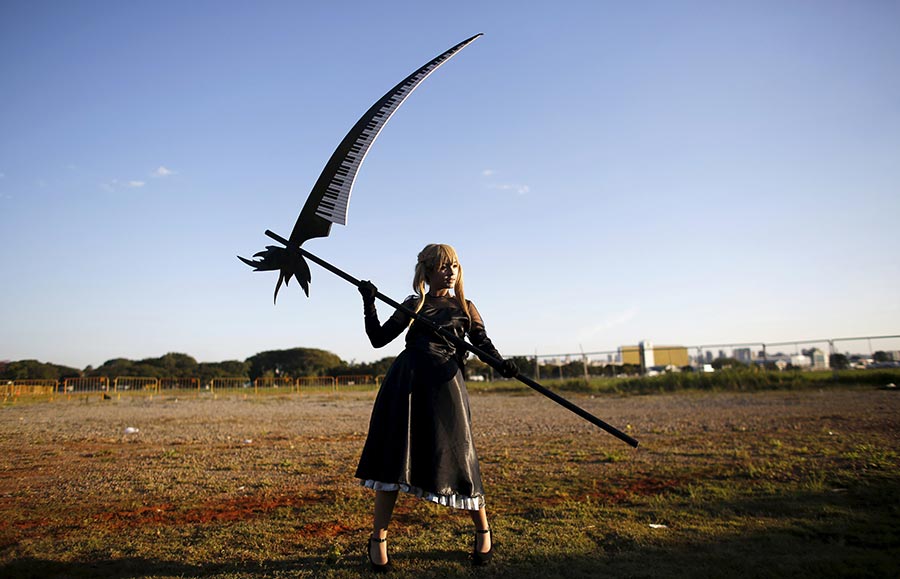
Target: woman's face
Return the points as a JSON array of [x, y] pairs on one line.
[[444, 277]]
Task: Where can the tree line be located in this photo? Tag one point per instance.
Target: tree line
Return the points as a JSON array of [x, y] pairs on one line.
[[300, 362], [291, 363]]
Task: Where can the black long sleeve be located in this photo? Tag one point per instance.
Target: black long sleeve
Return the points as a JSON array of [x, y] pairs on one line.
[[381, 335], [478, 334]]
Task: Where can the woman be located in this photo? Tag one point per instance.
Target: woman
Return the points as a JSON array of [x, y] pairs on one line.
[[420, 434]]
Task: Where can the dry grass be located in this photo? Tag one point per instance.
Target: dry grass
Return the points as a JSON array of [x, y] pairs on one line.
[[766, 484]]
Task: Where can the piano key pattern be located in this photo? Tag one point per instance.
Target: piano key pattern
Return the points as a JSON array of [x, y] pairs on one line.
[[335, 200]]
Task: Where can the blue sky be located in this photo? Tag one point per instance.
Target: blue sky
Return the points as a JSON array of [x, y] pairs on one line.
[[682, 172]]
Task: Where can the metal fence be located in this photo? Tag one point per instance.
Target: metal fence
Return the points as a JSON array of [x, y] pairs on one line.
[[126, 385], [816, 354], [644, 357]]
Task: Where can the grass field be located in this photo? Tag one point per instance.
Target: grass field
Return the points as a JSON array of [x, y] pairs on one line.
[[725, 484]]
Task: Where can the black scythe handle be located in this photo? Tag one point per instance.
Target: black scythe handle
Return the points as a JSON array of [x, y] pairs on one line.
[[462, 343]]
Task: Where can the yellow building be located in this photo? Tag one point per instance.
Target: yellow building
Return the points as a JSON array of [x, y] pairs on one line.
[[659, 356], [630, 355], [671, 356]]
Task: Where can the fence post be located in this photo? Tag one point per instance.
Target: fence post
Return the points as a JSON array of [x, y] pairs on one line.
[[831, 353]]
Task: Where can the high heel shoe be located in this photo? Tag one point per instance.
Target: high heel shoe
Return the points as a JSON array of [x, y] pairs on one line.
[[375, 566], [480, 559]]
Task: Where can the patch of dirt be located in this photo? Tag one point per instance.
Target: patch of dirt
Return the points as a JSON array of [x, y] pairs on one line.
[[228, 510]]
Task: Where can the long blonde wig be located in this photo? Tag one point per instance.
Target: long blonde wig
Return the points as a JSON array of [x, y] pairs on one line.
[[431, 259]]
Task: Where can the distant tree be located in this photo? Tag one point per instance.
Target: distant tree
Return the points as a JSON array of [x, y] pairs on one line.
[[115, 367], [171, 365], [720, 363], [206, 371], [34, 370], [174, 364], [881, 356], [342, 368], [295, 362], [839, 361], [475, 367], [525, 364], [609, 370], [630, 369], [376, 368], [571, 369]]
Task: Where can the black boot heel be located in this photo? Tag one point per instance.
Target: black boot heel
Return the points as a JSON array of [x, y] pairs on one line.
[[375, 566], [480, 559]]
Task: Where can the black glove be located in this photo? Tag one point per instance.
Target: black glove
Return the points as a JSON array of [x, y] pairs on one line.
[[508, 369], [368, 290]]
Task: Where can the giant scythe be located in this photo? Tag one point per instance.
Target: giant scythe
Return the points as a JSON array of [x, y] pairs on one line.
[[329, 201]]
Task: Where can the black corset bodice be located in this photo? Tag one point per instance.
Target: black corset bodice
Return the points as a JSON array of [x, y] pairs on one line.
[[443, 311]]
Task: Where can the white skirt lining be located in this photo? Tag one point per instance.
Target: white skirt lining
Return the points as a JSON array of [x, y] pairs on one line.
[[453, 501]]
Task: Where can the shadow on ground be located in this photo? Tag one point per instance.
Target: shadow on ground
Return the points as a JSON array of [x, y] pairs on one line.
[[798, 554]]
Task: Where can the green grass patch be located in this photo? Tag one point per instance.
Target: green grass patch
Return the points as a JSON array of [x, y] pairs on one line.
[[727, 380]]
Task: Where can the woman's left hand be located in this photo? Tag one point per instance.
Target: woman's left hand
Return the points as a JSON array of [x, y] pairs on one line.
[[508, 369]]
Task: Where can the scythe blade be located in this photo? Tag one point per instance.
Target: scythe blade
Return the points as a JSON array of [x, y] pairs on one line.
[[329, 200], [330, 197]]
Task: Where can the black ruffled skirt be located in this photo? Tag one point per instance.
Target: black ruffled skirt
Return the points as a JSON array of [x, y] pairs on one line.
[[420, 434]]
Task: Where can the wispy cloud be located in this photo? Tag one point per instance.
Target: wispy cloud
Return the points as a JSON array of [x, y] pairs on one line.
[[160, 172], [517, 188], [114, 184]]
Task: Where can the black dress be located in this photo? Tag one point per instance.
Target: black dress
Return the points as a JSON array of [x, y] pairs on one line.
[[420, 434]]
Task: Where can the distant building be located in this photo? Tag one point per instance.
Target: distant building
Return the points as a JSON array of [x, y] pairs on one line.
[[671, 356], [646, 355], [801, 361], [648, 360], [743, 355], [630, 355], [779, 359], [819, 359]]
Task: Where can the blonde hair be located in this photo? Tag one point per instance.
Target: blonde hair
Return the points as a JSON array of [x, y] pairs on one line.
[[430, 260]]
